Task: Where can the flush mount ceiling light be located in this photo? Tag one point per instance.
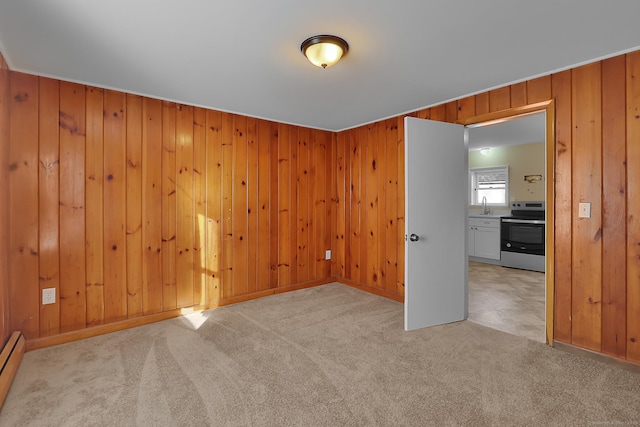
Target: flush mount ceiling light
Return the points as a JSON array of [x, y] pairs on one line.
[[485, 151], [325, 50]]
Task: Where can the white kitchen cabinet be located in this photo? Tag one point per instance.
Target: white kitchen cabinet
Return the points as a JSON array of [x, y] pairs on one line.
[[484, 238]]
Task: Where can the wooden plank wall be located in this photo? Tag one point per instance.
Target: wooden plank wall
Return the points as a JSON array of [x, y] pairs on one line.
[[5, 328], [597, 160], [130, 206], [369, 194]]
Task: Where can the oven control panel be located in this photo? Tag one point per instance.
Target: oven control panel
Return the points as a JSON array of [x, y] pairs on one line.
[[527, 206]]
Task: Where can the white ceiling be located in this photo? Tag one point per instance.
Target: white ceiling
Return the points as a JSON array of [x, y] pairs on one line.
[[244, 56], [521, 130]]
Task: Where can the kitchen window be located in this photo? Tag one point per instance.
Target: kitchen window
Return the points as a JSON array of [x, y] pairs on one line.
[[492, 183]]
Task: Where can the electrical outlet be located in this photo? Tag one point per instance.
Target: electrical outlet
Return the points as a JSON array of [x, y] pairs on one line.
[[327, 254], [584, 210], [49, 296]]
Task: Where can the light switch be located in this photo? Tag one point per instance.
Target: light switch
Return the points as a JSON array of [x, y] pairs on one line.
[[584, 210]]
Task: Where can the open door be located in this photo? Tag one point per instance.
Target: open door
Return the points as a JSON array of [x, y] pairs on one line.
[[435, 223]]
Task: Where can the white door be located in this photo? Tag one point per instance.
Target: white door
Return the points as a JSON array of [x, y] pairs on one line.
[[435, 223]]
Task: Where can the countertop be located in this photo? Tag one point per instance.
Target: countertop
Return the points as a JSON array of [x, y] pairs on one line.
[[491, 215]]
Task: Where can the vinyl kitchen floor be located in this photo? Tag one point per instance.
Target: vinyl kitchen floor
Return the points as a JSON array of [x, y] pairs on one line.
[[507, 299]]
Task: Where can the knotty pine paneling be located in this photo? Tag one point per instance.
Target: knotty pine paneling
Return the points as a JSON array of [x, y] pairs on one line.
[[239, 217], [590, 153], [390, 217], [353, 155], [168, 209], [519, 95], [23, 204], [614, 173], [199, 203], [633, 205], [284, 204], [341, 207], [274, 188], [151, 166], [293, 204], [185, 224], [586, 310], [49, 203], [369, 218], [252, 205], [467, 107], [213, 206], [262, 186], [131, 206], [227, 205], [382, 204], [563, 214], [370, 176], [499, 99], [451, 111], [597, 260], [538, 89], [315, 199], [72, 129], [400, 209], [326, 157], [115, 206], [94, 206], [482, 103], [302, 195], [439, 113], [5, 303], [133, 196], [320, 175]]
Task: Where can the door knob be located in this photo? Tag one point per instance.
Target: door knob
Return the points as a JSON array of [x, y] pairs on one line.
[[414, 237]]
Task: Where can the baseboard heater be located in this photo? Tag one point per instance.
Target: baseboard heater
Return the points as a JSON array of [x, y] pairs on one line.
[[9, 361]]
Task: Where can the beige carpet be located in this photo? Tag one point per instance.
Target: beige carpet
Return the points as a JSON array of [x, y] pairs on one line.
[[329, 355]]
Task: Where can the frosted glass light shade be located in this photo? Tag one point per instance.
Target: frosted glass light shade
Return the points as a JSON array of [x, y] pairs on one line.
[[324, 51]]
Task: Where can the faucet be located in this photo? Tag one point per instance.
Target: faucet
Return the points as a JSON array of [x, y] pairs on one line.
[[486, 209]]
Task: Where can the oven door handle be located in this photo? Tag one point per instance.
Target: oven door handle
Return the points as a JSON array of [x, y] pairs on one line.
[[524, 221]]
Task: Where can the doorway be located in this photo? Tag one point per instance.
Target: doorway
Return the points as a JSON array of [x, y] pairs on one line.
[[508, 299], [548, 107], [420, 291]]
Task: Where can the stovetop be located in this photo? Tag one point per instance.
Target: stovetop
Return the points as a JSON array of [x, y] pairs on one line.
[[526, 210]]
